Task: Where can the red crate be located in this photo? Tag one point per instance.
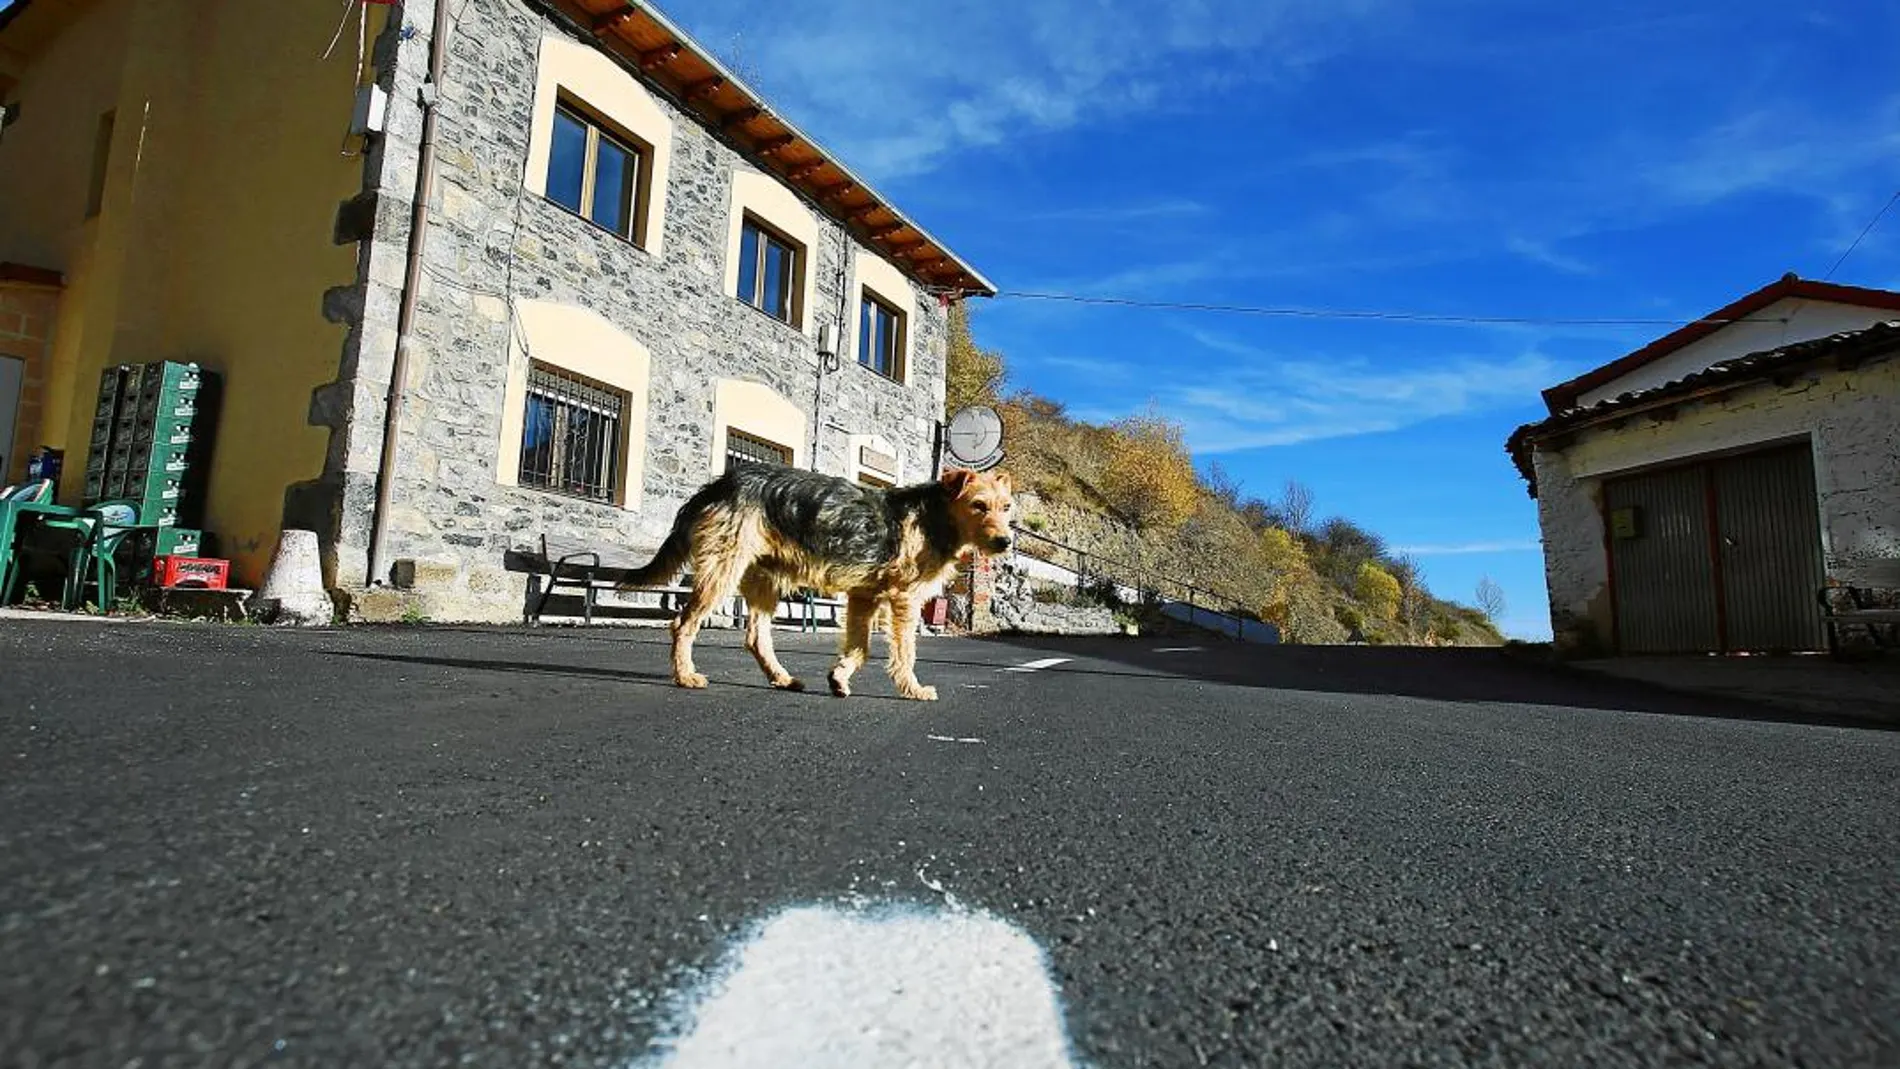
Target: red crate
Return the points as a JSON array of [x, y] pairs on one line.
[[199, 573], [937, 611]]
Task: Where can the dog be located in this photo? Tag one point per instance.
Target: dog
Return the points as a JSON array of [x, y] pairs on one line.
[[766, 530]]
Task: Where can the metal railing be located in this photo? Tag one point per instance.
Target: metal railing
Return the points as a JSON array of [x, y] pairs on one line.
[[1147, 586]]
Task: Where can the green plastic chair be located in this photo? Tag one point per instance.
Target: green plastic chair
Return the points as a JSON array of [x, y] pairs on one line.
[[94, 563], [37, 492]]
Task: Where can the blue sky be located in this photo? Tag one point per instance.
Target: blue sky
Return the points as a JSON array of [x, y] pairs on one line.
[[1518, 159]]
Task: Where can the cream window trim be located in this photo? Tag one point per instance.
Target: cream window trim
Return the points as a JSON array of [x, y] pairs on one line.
[[596, 84], [875, 274], [760, 411], [582, 343], [761, 196]]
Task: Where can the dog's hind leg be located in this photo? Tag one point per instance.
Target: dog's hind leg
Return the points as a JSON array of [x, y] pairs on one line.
[[718, 561], [854, 646], [761, 598], [903, 625]]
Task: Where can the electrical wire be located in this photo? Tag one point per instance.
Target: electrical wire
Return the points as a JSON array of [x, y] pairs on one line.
[[1393, 316], [1864, 231]]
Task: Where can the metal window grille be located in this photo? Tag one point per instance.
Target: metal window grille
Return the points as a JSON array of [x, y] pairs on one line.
[[745, 448], [570, 435]]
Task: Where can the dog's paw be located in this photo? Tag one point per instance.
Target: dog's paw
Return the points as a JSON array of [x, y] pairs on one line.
[[691, 681], [839, 686], [919, 692], [791, 683]]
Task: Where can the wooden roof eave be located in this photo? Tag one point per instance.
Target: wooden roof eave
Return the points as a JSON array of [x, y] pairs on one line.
[[700, 85]]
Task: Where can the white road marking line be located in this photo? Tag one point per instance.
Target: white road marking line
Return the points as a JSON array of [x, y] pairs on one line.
[[824, 986], [1181, 649], [1037, 666], [946, 738]]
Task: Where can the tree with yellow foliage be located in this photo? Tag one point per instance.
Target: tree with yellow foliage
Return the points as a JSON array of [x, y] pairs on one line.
[[972, 376], [1378, 590], [1149, 477]]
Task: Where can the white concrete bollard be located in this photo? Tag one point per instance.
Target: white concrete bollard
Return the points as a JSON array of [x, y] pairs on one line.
[[293, 587]]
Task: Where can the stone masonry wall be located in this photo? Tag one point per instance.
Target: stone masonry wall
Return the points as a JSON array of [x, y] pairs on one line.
[[492, 244]]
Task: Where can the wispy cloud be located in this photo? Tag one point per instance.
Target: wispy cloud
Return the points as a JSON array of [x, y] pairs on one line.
[[1456, 549], [1540, 253], [1262, 399], [1779, 148], [1111, 214], [896, 100]]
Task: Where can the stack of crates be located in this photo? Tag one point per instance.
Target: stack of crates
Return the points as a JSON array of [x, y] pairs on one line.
[[149, 438]]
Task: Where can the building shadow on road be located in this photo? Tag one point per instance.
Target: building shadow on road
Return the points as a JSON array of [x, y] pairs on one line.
[[723, 680], [1453, 674]]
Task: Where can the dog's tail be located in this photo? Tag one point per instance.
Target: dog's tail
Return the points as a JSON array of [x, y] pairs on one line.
[[674, 552], [665, 565]]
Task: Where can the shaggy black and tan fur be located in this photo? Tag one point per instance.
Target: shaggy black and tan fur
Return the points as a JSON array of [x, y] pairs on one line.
[[765, 531]]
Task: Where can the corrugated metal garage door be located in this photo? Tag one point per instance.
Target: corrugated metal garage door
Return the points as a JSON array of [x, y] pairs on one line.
[[1665, 588], [1724, 555], [1771, 563]]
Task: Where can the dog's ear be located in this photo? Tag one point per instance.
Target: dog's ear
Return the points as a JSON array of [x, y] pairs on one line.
[[1005, 483], [956, 481]]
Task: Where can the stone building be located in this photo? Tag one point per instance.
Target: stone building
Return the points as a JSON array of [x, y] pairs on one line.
[[628, 267], [1698, 494]]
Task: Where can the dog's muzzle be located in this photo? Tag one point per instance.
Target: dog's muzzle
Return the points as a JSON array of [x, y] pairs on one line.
[[1000, 544]]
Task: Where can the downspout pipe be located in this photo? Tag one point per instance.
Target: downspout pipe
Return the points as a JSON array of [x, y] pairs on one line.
[[395, 401]]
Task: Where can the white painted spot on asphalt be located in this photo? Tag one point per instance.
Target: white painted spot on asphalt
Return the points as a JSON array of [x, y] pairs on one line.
[[1181, 649], [1037, 666], [899, 986], [947, 738]]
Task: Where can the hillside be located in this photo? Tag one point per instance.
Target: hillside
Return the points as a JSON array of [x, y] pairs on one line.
[[1128, 498]]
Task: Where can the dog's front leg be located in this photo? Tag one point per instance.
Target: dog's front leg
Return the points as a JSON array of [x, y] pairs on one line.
[[904, 651], [854, 646]]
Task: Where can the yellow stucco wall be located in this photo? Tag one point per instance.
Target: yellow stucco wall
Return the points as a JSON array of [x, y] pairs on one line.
[[214, 242]]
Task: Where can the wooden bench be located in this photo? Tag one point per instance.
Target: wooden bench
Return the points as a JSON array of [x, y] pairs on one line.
[[578, 566], [1861, 612], [589, 569]]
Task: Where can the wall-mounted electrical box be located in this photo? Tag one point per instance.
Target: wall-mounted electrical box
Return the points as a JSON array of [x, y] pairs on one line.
[[372, 107]]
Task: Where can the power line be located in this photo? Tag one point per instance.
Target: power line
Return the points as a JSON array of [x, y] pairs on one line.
[[1351, 313], [1864, 231]]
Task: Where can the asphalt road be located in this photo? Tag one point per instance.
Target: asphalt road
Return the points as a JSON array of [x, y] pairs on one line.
[[231, 846]]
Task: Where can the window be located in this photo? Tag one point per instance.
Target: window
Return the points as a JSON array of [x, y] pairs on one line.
[[745, 448], [880, 337], [101, 156], [571, 435], [595, 174], [768, 270]]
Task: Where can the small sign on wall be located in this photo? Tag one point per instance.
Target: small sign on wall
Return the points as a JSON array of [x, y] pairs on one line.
[[878, 463], [1626, 523]]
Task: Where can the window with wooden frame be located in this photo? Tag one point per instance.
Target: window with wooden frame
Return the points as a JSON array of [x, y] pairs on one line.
[[597, 174], [770, 265], [881, 337], [751, 449], [571, 435]]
